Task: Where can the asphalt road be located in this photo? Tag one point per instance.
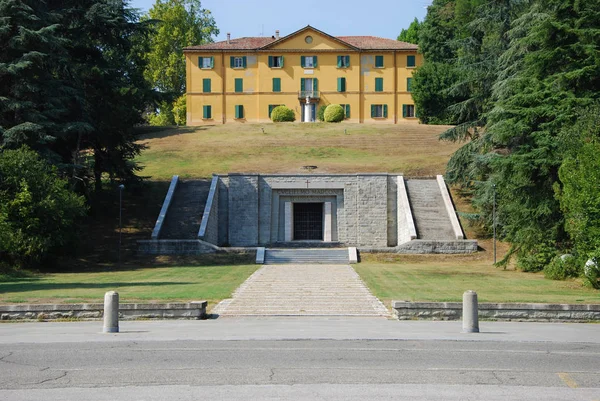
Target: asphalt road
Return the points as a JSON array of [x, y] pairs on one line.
[[299, 369]]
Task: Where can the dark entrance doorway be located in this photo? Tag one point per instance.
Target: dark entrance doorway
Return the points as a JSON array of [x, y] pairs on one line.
[[308, 221]]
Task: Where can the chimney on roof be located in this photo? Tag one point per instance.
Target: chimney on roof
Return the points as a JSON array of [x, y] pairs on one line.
[[277, 34], [228, 38]]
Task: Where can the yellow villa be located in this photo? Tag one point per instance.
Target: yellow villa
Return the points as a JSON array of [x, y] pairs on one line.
[[242, 80]]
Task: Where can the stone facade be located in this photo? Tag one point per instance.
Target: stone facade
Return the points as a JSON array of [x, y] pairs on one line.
[[370, 211], [364, 210]]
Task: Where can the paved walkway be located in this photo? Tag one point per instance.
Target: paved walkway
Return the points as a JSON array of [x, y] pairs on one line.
[[302, 290]]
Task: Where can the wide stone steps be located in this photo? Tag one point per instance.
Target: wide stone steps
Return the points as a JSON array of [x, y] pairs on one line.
[[306, 256], [185, 212], [302, 290], [429, 211]]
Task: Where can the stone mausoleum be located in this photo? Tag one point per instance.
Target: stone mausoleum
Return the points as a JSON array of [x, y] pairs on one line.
[[372, 212]]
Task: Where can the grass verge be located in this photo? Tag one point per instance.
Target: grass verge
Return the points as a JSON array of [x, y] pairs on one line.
[[436, 278], [212, 279]]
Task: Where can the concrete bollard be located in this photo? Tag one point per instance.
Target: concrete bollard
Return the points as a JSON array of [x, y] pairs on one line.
[[470, 314], [111, 312]]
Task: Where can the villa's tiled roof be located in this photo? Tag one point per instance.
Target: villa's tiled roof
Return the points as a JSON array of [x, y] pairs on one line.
[[376, 43], [256, 43], [247, 43]]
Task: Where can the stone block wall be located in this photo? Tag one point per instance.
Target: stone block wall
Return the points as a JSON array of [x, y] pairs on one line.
[[503, 312], [174, 247], [243, 210], [392, 211], [190, 310], [223, 217], [372, 210]]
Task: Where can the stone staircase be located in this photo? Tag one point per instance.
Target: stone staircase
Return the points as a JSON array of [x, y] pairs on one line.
[[337, 256], [428, 209], [186, 209], [302, 290]]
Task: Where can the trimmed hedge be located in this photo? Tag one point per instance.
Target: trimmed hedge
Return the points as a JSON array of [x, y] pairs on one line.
[[321, 113], [334, 113], [282, 114]]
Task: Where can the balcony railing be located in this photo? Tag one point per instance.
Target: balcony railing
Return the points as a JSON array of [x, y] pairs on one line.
[[309, 94]]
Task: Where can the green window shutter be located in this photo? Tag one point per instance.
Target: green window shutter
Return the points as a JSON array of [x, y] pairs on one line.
[[347, 111], [281, 62], [206, 112], [239, 84], [315, 84], [409, 84], [339, 63], [302, 61], [314, 61], [378, 84], [372, 110], [385, 114], [271, 61], [232, 61], [239, 111], [411, 61], [404, 110], [276, 84], [200, 62], [342, 84], [206, 85], [212, 62], [271, 107], [339, 89], [244, 61], [347, 61], [302, 84], [378, 61]]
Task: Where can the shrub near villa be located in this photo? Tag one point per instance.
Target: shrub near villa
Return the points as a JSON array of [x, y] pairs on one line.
[[321, 113], [282, 114], [334, 113]]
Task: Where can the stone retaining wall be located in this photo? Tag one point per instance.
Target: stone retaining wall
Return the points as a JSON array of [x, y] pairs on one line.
[[504, 312], [190, 310], [165, 208], [175, 247]]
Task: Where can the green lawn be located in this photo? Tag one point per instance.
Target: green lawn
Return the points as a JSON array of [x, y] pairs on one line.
[[211, 282], [444, 279]]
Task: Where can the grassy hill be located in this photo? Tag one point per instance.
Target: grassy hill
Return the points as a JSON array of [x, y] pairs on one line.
[[410, 148]]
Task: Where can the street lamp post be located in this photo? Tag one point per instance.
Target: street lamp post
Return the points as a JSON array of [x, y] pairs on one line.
[[121, 188], [494, 221]]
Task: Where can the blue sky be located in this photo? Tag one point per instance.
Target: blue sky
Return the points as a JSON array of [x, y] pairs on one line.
[[384, 18]]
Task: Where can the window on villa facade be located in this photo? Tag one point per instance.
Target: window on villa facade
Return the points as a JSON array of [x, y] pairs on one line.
[[239, 111], [276, 84], [379, 110], [276, 61], [341, 84], [408, 110], [409, 83], [378, 84], [411, 61], [238, 62], [343, 61], [206, 62], [206, 85], [239, 85], [346, 108], [207, 112], [378, 61], [308, 61]]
